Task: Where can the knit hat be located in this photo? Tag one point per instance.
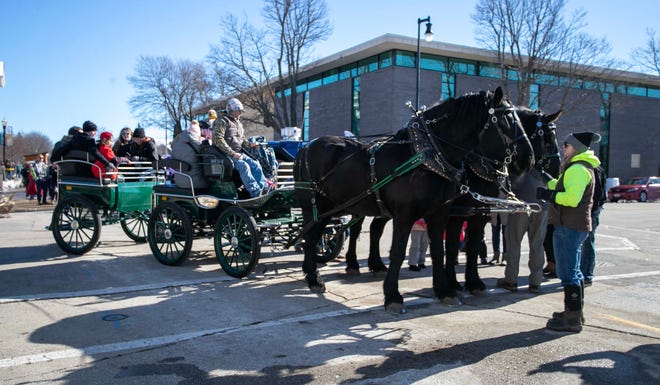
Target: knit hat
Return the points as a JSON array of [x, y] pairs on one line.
[[74, 130], [213, 114], [139, 133], [194, 129], [106, 135], [89, 126], [582, 140]]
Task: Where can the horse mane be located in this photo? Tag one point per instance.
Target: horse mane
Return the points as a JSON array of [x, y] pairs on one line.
[[459, 107]]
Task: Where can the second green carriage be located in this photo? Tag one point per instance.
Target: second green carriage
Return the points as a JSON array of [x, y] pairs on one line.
[[87, 203]]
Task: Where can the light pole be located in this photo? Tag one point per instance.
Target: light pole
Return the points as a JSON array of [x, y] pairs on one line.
[[4, 141], [428, 36]]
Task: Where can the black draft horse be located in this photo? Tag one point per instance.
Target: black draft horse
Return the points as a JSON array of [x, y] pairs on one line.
[[335, 175], [540, 129]]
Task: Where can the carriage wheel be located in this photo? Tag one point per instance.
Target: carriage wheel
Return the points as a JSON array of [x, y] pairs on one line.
[[236, 242], [76, 224], [135, 225], [170, 233], [330, 244]]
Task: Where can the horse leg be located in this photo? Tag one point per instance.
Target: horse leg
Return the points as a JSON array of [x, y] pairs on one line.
[[394, 299], [452, 245], [445, 292], [375, 262], [352, 265], [312, 276], [475, 236]]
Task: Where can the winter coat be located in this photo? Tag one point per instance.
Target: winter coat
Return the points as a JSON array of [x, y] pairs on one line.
[[185, 147]]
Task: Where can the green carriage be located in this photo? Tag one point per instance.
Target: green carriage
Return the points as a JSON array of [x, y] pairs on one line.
[[239, 225], [87, 203]]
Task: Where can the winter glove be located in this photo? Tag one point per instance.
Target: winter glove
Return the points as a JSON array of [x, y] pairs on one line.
[[545, 194], [109, 167], [546, 177]]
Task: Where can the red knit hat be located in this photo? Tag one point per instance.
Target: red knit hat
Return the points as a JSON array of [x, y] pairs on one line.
[[106, 135]]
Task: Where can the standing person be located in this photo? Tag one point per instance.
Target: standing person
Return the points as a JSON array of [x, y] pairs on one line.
[[498, 229], [571, 198], [212, 118], [419, 244], [40, 175], [534, 224], [549, 270], [123, 144], [588, 256], [143, 148], [229, 138]]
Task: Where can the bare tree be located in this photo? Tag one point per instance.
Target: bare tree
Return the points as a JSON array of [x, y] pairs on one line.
[[28, 144], [259, 64], [648, 56], [533, 38], [168, 88]]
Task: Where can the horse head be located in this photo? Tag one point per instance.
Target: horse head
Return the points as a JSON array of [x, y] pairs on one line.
[[485, 124], [541, 131]]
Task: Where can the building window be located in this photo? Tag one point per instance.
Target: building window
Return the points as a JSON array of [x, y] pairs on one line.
[[314, 81], [330, 76], [367, 65], [490, 71], [385, 59], [355, 108], [638, 91], [462, 67], [405, 59], [347, 71], [654, 93], [432, 63], [534, 96], [306, 115], [448, 86]]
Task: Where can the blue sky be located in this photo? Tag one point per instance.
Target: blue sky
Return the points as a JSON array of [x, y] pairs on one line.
[[66, 61]]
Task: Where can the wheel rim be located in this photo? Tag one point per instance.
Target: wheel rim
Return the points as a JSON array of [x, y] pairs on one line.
[[135, 226], [77, 226], [169, 235], [236, 243], [330, 244]]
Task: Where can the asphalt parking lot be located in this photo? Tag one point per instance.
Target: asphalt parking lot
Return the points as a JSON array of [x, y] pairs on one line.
[[117, 316]]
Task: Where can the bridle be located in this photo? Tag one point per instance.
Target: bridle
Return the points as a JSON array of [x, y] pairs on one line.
[[543, 133]]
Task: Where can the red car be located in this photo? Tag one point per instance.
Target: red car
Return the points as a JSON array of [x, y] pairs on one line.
[[640, 189]]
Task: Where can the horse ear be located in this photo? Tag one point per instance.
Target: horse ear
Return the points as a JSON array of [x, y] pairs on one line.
[[499, 95], [552, 117]]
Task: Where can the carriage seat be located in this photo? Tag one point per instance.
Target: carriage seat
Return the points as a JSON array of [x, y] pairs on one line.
[[215, 163], [81, 170]]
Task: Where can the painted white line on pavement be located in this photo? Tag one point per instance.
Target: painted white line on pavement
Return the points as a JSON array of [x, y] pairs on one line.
[[165, 340], [112, 290], [627, 243], [629, 229]]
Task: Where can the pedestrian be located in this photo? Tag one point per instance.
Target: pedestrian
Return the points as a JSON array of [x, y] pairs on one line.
[[40, 175], [588, 256], [571, 198], [419, 244], [549, 270], [229, 138]]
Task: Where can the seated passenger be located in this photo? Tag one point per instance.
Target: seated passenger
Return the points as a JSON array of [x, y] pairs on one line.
[[105, 149], [123, 143], [185, 147], [230, 139], [84, 141], [143, 148]]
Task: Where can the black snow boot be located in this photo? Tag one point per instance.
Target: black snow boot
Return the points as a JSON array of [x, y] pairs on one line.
[[571, 319], [560, 314]]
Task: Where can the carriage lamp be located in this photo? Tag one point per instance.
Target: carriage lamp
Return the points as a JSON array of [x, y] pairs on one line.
[[4, 141], [428, 36], [207, 201]]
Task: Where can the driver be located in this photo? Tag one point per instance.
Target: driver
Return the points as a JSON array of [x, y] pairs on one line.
[[229, 138]]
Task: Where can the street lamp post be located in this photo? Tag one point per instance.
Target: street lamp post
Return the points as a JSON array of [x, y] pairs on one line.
[[4, 141], [428, 36]]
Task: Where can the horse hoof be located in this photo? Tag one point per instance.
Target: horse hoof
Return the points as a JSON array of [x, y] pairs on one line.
[[396, 308], [317, 289], [353, 272], [450, 301], [379, 274], [478, 292]]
